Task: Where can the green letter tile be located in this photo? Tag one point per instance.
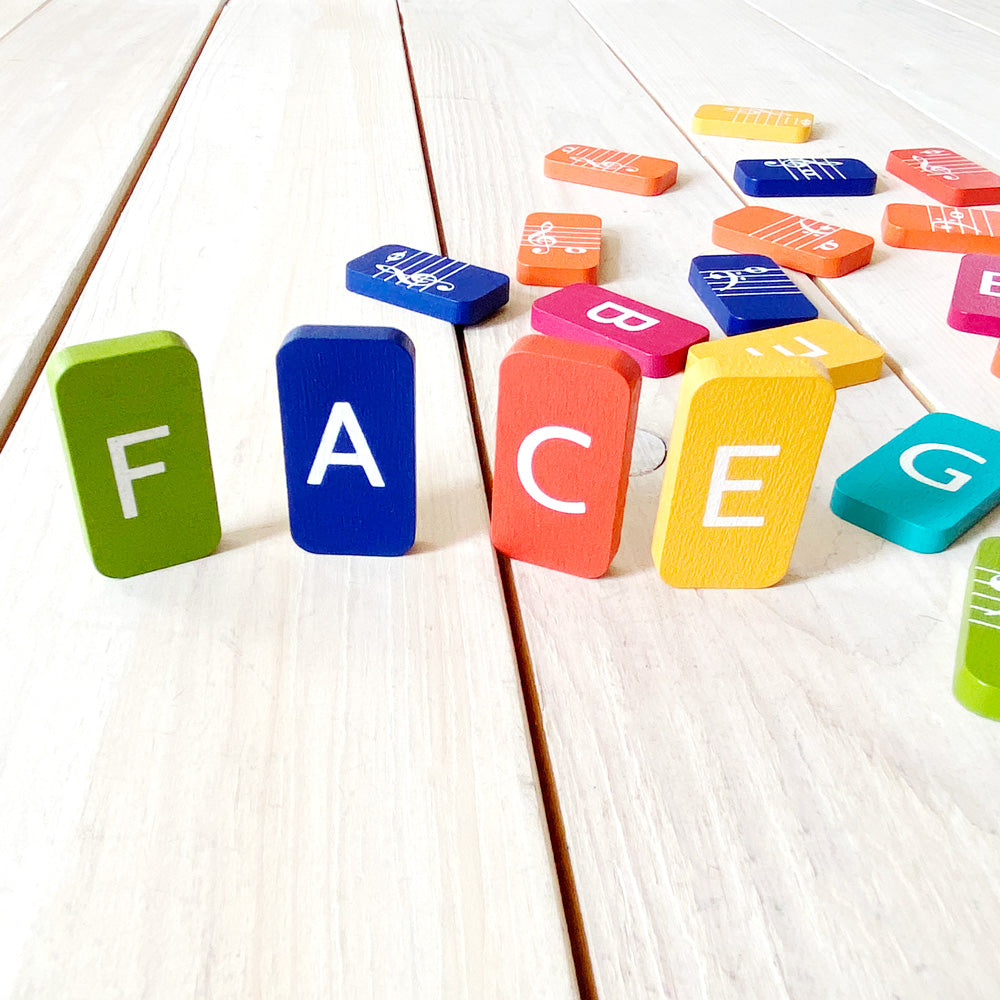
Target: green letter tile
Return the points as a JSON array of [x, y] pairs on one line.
[[977, 668], [132, 420]]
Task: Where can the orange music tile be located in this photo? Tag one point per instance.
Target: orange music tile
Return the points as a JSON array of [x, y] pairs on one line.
[[610, 168], [559, 249], [801, 244], [934, 227]]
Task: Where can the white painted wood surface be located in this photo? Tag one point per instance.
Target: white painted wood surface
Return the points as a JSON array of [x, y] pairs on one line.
[[266, 773], [765, 794], [84, 88]]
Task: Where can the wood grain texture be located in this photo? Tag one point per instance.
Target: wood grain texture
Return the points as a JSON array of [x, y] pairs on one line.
[[768, 793], [269, 774], [84, 88]]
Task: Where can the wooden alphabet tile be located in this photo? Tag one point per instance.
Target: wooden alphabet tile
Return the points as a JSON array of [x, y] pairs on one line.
[[977, 662], [801, 244], [745, 292], [975, 302], [933, 227], [429, 283], [753, 123], [347, 403], [848, 357], [132, 420], [565, 426], [805, 177], [589, 314], [610, 168], [945, 176], [926, 486], [746, 438], [559, 249]]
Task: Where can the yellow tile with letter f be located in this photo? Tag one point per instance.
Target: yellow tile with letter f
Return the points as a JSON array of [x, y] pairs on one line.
[[747, 435]]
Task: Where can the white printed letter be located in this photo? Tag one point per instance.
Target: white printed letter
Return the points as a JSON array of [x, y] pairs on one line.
[[342, 416], [958, 479], [721, 484], [812, 352], [124, 476], [990, 283], [525, 455], [621, 317]]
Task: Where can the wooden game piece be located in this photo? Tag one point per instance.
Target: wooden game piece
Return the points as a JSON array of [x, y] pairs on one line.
[[746, 438], [975, 302], [945, 176], [132, 420], [977, 663], [347, 421], [926, 486], [805, 177], [589, 314], [612, 169], [793, 241], [559, 249], [565, 426], [933, 227], [753, 123], [848, 357], [429, 283], [745, 292]]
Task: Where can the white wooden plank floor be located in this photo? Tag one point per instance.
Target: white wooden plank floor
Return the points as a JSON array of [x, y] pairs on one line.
[[271, 774]]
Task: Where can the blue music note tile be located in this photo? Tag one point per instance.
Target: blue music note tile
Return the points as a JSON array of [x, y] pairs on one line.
[[429, 283], [804, 177], [746, 292]]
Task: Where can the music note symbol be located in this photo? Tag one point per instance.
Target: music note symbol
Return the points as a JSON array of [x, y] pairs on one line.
[[542, 240]]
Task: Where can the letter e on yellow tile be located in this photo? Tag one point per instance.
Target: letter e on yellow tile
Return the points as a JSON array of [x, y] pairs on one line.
[[746, 438]]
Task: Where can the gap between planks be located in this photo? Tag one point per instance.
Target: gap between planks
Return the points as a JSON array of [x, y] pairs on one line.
[[582, 964], [67, 301]]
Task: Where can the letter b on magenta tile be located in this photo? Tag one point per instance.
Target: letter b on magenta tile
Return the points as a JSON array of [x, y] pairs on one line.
[[348, 424]]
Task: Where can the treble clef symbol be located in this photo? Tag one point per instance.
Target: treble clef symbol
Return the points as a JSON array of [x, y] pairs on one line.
[[542, 240]]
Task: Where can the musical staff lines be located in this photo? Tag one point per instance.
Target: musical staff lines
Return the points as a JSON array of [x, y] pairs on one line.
[[607, 160], [730, 283], [419, 270], [798, 233], [809, 169], [546, 236], [986, 591], [946, 164]]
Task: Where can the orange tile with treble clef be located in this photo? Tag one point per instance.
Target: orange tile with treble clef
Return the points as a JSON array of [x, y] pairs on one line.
[[806, 245], [934, 227], [559, 249]]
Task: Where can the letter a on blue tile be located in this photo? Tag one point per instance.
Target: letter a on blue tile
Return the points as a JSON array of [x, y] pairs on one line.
[[347, 420]]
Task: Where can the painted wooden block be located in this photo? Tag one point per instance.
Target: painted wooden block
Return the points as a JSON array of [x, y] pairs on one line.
[[746, 438], [559, 249], [975, 302], [589, 314], [848, 357], [745, 292], [933, 227], [347, 420], [611, 168], [753, 123], [945, 176], [429, 283], [977, 663], [793, 241], [926, 486], [132, 420], [805, 177], [565, 426]]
